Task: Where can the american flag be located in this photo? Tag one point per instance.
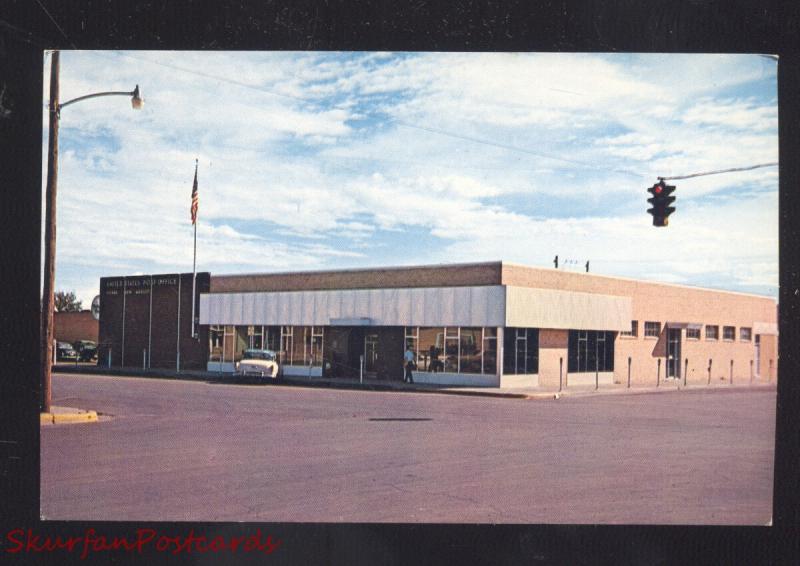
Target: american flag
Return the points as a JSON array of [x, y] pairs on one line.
[[195, 198]]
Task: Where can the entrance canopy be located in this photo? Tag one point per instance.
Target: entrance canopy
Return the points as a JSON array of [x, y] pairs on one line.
[[473, 306], [690, 325], [426, 306]]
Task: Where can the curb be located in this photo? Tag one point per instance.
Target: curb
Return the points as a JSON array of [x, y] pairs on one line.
[[292, 381], [80, 416]]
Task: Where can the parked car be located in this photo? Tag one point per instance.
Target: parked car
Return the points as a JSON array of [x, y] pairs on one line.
[[259, 363], [65, 351], [86, 349]]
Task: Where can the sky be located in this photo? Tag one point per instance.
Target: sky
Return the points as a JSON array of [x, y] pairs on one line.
[[336, 160]]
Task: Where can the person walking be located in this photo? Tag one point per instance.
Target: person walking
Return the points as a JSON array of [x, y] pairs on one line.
[[408, 364]]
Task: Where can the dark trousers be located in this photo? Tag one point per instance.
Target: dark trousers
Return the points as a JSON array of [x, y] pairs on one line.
[[408, 377]]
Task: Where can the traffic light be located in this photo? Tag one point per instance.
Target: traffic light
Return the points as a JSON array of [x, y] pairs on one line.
[[661, 201]]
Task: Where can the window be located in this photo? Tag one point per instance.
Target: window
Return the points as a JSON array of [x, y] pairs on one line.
[[521, 351], [693, 334], [652, 329], [412, 339], [633, 332], [589, 350], [729, 333], [470, 350], [745, 334], [285, 353], [313, 348], [454, 349], [712, 332], [489, 351], [228, 343], [215, 334], [451, 349]]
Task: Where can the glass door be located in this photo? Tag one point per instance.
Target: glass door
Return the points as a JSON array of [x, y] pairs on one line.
[[674, 353], [370, 352]]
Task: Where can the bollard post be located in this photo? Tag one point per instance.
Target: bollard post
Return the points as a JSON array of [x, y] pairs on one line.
[[596, 375], [658, 373], [109, 357], [361, 369], [709, 371], [629, 372], [731, 374], [751, 372], [560, 372], [685, 370], [144, 358]]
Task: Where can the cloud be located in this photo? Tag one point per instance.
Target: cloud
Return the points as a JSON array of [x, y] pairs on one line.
[[315, 160]]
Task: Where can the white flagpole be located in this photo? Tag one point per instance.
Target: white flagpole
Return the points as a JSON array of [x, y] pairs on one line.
[[194, 263]]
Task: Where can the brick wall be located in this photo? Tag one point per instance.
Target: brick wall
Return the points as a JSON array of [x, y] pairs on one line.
[[73, 326], [132, 337], [425, 276], [659, 302]]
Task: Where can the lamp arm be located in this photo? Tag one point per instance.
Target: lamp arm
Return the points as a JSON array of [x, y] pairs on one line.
[[95, 95]]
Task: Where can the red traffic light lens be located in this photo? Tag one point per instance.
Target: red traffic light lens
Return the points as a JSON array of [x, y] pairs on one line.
[[657, 189]]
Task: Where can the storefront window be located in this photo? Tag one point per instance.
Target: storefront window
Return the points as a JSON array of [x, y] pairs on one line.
[[490, 350], [242, 339], [272, 338], [454, 349], [451, 350], [313, 349], [521, 351], [228, 344], [287, 339], [215, 336], [256, 338], [412, 341], [430, 343], [300, 343], [470, 354], [590, 350]]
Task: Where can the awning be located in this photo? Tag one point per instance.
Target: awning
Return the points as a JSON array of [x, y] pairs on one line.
[[689, 325]]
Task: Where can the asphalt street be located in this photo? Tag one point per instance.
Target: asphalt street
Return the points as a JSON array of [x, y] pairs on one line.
[[191, 450]]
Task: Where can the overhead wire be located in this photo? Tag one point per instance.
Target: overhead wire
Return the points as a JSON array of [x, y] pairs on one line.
[[389, 119], [429, 129], [731, 170]]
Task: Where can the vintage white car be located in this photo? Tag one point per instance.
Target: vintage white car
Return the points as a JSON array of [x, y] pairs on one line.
[[259, 363]]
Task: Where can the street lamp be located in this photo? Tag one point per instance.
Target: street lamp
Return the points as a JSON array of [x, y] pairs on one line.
[[48, 302]]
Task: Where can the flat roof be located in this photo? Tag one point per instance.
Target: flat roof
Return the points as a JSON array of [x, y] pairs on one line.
[[486, 264]]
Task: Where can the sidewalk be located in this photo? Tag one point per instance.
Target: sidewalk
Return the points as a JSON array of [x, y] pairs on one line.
[[529, 393]]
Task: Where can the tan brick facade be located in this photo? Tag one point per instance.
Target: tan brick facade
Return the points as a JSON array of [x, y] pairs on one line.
[[681, 308], [663, 303], [426, 276]]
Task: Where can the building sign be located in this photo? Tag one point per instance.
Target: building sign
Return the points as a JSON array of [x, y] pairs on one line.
[[138, 285]]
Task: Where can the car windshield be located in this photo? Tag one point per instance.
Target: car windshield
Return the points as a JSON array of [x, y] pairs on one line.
[[258, 355]]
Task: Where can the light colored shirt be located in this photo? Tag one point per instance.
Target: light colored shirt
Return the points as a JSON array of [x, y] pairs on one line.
[[409, 356]]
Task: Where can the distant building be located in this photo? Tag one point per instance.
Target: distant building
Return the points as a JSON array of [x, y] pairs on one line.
[[73, 326], [479, 324]]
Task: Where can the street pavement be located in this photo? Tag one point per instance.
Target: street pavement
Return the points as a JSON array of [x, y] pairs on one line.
[[203, 451]]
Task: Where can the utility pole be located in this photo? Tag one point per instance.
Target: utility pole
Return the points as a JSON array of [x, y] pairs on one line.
[[48, 302]]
